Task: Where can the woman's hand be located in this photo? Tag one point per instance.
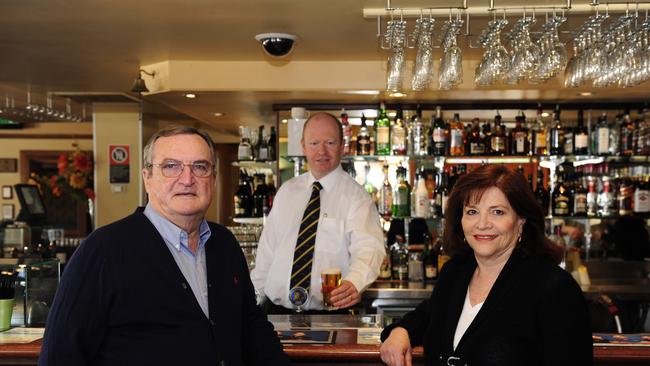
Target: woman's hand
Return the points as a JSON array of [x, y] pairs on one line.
[[396, 349]]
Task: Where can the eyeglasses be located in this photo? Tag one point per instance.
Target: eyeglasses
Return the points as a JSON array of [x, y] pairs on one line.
[[174, 168]]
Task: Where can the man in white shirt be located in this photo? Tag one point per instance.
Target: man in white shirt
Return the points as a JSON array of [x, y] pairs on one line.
[[348, 235]]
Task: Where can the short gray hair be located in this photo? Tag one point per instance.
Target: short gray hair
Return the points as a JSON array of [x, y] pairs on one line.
[[174, 131]]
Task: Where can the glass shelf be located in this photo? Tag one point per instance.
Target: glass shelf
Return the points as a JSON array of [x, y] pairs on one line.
[[249, 220], [251, 164]]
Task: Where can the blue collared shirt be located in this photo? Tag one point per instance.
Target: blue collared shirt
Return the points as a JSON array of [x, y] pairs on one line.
[[191, 265]]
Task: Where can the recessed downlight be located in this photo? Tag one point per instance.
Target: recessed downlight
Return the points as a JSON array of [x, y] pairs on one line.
[[217, 114], [189, 95]]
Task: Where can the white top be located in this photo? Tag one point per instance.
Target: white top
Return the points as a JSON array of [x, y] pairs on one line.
[[466, 318], [349, 237]]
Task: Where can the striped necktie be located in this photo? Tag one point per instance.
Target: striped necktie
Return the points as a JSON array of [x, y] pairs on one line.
[[303, 255]]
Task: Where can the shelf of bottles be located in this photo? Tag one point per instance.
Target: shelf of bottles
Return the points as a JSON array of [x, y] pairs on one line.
[[256, 159], [409, 167]]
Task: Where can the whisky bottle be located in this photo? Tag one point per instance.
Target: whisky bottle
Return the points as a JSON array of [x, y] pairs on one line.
[[579, 204], [556, 134], [519, 136], [498, 144], [561, 201], [382, 131], [627, 135], [539, 134], [439, 134], [347, 134]]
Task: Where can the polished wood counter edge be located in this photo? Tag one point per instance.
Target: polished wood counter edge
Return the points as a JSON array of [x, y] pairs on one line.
[[344, 349]]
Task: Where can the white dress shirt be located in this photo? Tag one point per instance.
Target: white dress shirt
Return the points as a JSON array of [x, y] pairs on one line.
[[349, 237]]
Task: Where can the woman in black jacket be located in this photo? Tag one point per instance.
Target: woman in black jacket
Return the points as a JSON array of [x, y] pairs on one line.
[[502, 299]]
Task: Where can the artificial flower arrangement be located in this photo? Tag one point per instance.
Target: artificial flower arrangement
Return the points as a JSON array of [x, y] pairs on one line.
[[74, 178]]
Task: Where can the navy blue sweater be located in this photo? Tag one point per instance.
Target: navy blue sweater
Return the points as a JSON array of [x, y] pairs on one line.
[[124, 301]]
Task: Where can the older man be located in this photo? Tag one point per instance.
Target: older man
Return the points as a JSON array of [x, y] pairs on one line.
[[162, 286], [321, 219]]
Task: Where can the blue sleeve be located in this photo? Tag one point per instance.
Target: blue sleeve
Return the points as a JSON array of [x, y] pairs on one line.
[[77, 322]]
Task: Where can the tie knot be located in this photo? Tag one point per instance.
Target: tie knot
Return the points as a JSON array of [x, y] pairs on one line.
[[316, 186]]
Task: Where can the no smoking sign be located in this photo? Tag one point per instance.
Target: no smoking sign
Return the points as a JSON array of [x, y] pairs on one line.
[[119, 163]]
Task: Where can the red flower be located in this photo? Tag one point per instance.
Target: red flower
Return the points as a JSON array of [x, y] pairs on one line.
[[81, 162], [62, 164], [90, 193]]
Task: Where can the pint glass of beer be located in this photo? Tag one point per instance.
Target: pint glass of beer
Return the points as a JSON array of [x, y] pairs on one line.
[[329, 280]]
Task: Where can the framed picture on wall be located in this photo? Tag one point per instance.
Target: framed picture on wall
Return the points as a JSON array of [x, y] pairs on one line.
[[7, 211], [7, 192]]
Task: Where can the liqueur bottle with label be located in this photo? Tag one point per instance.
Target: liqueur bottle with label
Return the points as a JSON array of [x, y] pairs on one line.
[[457, 137], [540, 132], [592, 197], [430, 260], [244, 150], [439, 134], [475, 140], [398, 135], [347, 134], [627, 135], [498, 145], [625, 198], [606, 199], [519, 136], [363, 138], [386, 196], [382, 131], [641, 206], [556, 134], [579, 204], [581, 136], [561, 200]]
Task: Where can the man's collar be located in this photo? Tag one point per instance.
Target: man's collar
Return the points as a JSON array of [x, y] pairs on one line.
[[328, 181], [172, 233]]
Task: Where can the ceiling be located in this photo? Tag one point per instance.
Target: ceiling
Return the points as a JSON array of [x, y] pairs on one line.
[[62, 46]]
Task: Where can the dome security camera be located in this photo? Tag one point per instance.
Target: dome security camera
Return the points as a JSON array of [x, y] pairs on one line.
[[277, 44]]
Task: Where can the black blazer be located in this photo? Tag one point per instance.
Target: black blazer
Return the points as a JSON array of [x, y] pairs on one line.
[[535, 314], [123, 301]]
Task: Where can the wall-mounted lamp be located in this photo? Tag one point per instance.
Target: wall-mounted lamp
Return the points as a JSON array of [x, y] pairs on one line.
[[139, 85]]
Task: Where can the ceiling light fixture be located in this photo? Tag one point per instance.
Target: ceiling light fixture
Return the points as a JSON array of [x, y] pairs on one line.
[[189, 95], [397, 95], [218, 114], [585, 94], [139, 85]]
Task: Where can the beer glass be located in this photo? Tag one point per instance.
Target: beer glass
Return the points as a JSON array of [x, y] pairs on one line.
[[329, 280]]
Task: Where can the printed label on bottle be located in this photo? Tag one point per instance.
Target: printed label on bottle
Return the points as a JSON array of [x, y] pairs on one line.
[[382, 135], [520, 142], [641, 201], [476, 148], [244, 152], [430, 271], [603, 140], [439, 135], [580, 204], [561, 206], [540, 140], [456, 138], [582, 141], [498, 144]]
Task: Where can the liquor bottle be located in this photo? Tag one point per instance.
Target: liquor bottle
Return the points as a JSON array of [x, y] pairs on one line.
[[625, 198], [402, 197], [363, 138], [643, 136], [457, 137], [443, 257], [561, 201], [606, 199], [385, 269], [556, 134], [439, 134], [262, 146], [369, 187], [429, 260], [347, 134], [244, 150], [399, 259], [386, 196], [243, 198], [419, 134], [581, 136], [626, 135], [519, 143], [498, 141], [398, 135], [260, 197], [641, 206], [530, 182], [421, 201], [539, 134], [273, 144], [569, 134], [541, 193], [592, 197], [475, 140], [614, 136], [579, 204], [382, 131], [602, 135], [487, 138], [270, 186], [442, 192]]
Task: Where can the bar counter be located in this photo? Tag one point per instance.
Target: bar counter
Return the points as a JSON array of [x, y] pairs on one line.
[[345, 350]]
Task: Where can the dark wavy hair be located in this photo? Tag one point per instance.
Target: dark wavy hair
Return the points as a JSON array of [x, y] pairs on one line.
[[470, 188]]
